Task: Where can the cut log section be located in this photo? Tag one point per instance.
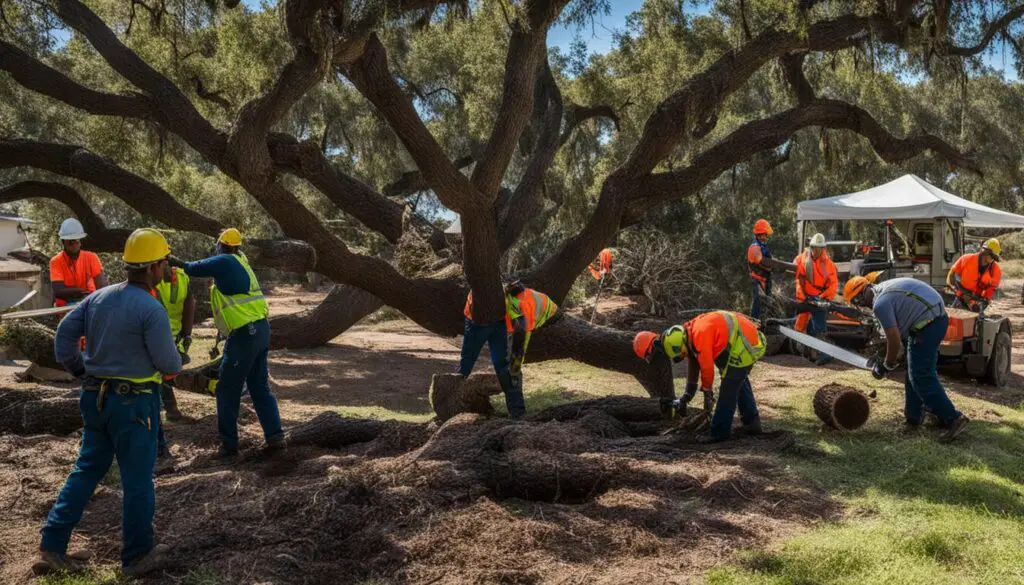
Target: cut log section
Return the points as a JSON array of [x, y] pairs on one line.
[[841, 407], [451, 394]]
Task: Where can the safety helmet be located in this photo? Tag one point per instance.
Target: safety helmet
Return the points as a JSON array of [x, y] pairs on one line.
[[992, 245], [513, 286], [674, 340], [144, 247], [71, 229], [855, 286], [643, 344], [818, 241], [230, 237], [762, 226], [872, 277]]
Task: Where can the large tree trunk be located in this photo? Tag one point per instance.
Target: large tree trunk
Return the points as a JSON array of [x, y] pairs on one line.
[[39, 411], [343, 307]]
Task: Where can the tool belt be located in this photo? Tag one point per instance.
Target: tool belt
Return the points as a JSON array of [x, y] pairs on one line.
[[119, 387], [920, 325]]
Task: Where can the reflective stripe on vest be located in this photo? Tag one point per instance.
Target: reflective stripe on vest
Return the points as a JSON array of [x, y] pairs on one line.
[[172, 296], [236, 311], [741, 352]]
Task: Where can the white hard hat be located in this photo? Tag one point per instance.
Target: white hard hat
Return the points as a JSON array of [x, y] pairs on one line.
[[818, 241], [71, 229]]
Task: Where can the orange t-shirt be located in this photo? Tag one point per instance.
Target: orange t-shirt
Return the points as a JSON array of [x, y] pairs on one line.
[[79, 273]]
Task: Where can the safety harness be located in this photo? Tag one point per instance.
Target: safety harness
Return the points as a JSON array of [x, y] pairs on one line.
[[921, 324]]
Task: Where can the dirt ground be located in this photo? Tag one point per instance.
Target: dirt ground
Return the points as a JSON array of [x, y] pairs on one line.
[[406, 512]]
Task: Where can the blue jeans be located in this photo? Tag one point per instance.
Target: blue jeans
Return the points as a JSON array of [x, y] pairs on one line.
[[819, 322], [922, 388], [734, 392], [473, 339], [245, 362], [126, 428], [755, 296]]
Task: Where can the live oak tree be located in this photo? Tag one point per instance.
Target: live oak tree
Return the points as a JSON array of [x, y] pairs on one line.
[[301, 110]]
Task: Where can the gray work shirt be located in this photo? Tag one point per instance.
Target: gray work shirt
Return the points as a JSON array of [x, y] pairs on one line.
[[895, 308], [127, 335]]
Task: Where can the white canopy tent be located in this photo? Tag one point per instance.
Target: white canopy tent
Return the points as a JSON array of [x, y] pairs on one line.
[[908, 197], [455, 228]]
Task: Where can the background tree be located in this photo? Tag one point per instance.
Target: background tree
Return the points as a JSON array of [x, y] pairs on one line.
[[340, 131]]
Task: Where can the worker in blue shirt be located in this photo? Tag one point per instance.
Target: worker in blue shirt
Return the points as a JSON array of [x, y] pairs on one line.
[[240, 312], [129, 350]]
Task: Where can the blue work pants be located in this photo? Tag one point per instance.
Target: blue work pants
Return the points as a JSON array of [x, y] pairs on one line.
[[734, 392], [126, 428], [245, 362], [922, 388], [473, 339], [755, 296]]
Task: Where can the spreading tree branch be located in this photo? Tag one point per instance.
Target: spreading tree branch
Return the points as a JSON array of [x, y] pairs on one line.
[[1000, 24]]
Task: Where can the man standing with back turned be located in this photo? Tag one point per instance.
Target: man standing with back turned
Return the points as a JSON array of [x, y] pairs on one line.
[[240, 312], [129, 347]]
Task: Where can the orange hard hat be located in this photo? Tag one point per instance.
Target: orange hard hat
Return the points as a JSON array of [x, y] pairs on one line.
[[854, 287], [762, 226], [643, 344]]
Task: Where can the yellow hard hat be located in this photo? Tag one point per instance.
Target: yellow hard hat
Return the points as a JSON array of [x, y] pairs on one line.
[[230, 237], [855, 286], [992, 245], [145, 246], [872, 277]]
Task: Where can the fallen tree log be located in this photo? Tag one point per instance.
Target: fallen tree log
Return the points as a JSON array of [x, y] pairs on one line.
[[28, 339], [451, 394], [42, 411]]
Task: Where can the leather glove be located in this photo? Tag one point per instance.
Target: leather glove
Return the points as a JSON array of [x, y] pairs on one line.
[[175, 262], [880, 369]]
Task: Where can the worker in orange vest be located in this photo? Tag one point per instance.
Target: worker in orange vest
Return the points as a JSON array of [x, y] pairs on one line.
[[718, 339], [603, 265], [526, 310], [816, 280], [74, 272], [976, 274], [759, 259]]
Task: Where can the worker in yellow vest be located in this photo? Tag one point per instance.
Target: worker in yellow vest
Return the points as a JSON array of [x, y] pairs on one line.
[[175, 294], [240, 312]]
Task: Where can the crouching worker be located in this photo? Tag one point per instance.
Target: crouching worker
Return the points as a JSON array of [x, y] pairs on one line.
[[913, 315], [722, 339], [129, 347], [526, 310]]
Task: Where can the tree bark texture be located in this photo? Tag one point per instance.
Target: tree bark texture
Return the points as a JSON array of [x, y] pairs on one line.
[[343, 307]]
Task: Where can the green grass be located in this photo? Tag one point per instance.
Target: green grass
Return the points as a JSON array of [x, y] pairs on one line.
[[381, 412], [917, 511], [106, 577]]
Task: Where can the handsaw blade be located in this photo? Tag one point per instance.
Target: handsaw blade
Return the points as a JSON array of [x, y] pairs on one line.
[[839, 353], [37, 313]]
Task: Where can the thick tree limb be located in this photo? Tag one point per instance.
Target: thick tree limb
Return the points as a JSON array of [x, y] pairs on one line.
[[793, 65], [342, 308], [372, 77], [215, 97], [993, 29], [178, 113], [526, 53], [576, 114], [34, 75], [774, 131], [78, 163], [413, 182]]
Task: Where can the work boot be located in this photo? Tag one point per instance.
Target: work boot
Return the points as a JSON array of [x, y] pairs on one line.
[[154, 560], [955, 428], [54, 562], [752, 429], [277, 443], [225, 452], [512, 386]]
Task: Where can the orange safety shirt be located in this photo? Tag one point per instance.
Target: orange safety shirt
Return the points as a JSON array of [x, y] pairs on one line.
[[604, 264], [815, 278], [535, 308], [78, 273], [979, 282], [707, 336]]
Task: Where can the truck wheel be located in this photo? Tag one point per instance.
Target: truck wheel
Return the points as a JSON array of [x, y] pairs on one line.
[[999, 360]]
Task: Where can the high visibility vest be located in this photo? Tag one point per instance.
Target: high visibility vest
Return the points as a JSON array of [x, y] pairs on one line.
[[742, 353], [814, 277], [604, 264], [231, 312], [172, 296], [534, 307], [978, 282], [756, 254]]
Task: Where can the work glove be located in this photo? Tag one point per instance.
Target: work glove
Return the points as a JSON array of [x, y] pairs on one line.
[[880, 369], [184, 342], [175, 261]]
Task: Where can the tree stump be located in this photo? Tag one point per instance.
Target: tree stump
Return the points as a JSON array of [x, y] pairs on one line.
[[841, 407], [451, 394]]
